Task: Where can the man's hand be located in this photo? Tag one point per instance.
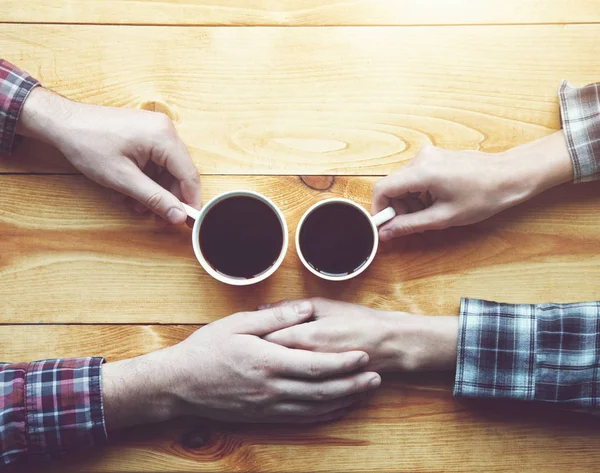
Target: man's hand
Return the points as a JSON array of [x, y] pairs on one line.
[[134, 152], [226, 371], [440, 189], [395, 341]]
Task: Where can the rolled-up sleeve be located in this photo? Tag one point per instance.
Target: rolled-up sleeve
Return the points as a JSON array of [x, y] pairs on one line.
[[50, 407], [15, 86], [542, 352], [580, 118]]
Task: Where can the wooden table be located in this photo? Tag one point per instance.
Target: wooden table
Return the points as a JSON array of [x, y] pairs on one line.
[[301, 100]]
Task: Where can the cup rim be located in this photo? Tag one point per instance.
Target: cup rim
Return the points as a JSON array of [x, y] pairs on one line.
[[196, 240], [373, 228]]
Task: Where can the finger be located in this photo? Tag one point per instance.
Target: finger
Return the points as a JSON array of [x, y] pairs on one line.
[[179, 163], [315, 408], [396, 186], [321, 305], [279, 303], [299, 336], [270, 320], [140, 187], [431, 218], [312, 365], [328, 390], [153, 171], [175, 189], [291, 419], [167, 181]]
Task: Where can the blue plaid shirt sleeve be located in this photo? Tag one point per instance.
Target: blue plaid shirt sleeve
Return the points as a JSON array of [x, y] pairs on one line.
[[543, 352], [580, 119]]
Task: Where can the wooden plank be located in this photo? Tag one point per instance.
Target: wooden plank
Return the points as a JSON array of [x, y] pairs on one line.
[[68, 255], [300, 12], [113, 342], [355, 100], [411, 424]]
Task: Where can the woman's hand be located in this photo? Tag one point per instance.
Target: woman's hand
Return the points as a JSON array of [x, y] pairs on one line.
[[440, 189], [395, 341]]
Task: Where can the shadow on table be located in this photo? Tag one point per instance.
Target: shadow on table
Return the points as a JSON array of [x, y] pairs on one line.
[[403, 402]]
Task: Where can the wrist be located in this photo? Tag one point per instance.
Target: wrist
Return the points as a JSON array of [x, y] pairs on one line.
[[424, 343], [45, 116], [532, 168], [138, 391]]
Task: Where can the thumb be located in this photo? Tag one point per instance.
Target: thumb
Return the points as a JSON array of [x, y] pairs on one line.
[[162, 202], [270, 320], [429, 218]]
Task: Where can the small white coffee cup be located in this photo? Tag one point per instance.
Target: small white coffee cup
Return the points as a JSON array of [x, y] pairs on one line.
[[375, 221], [198, 216]]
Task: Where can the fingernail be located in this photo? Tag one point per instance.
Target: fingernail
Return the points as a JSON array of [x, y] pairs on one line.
[[264, 306], [175, 215], [375, 383], [303, 308], [386, 234], [363, 360]]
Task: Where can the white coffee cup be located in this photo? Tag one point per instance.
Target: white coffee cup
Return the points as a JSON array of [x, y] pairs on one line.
[[198, 216], [376, 220]]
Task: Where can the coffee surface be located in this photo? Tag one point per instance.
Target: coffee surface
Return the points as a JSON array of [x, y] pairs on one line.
[[336, 239], [241, 237]]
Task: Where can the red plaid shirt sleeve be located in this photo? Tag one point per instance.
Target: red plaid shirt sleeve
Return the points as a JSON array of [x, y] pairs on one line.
[[50, 407], [15, 86]]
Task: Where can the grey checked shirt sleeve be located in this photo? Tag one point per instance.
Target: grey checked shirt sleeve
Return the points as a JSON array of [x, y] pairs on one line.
[[580, 116], [543, 352]]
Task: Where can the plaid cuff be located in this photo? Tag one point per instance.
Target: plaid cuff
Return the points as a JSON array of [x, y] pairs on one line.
[[496, 347], [544, 352], [50, 407], [580, 114], [15, 86]]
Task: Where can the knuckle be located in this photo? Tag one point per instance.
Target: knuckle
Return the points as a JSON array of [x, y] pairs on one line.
[[262, 365], [379, 187], [322, 394], [154, 201], [279, 314], [426, 151], [315, 370], [163, 123]]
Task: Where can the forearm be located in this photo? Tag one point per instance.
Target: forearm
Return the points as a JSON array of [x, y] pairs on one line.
[[421, 343], [534, 167], [137, 391]]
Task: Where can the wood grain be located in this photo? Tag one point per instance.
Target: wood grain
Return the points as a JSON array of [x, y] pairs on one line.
[[68, 255], [411, 424], [299, 12], [355, 100]]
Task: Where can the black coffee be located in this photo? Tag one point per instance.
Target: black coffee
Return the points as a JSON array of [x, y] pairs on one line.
[[336, 239], [241, 237]]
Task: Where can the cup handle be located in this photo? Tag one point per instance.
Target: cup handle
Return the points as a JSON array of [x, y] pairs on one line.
[[385, 215], [191, 211]]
